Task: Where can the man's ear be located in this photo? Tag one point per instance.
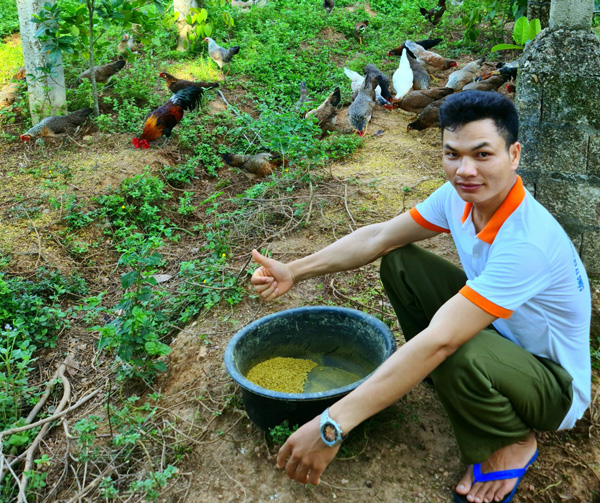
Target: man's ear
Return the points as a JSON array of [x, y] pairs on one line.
[[514, 152]]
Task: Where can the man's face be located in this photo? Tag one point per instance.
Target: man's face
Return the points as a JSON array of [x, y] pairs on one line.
[[478, 163]]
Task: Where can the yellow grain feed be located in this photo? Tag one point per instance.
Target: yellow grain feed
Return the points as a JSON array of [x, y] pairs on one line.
[[286, 375]]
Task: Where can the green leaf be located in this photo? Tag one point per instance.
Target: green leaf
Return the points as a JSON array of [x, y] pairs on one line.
[[157, 348], [74, 30], [521, 30], [128, 279], [208, 29], [203, 15], [534, 28], [503, 47]]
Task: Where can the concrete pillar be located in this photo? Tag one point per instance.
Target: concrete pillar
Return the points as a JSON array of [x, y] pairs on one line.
[[47, 94], [557, 98]]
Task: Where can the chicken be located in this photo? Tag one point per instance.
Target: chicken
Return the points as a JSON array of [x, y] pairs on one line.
[[435, 14], [220, 55], [327, 111], [359, 29], [303, 97], [357, 81], [127, 46], [416, 101], [460, 78], [8, 94], [382, 79], [429, 117], [58, 125], [103, 73], [421, 77], [259, 164], [492, 83], [161, 121], [328, 5], [425, 44], [403, 77], [361, 109], [174, 84], [429, 59]]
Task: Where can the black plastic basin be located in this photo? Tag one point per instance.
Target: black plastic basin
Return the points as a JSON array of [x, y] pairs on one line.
[[332, 333]]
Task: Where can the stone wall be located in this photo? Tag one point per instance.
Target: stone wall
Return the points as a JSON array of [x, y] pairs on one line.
[[558, 99]]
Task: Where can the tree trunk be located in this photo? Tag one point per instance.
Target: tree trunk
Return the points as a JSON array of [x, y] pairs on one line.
[[571, 14], [47, 94], [183, 7], [91, 4]]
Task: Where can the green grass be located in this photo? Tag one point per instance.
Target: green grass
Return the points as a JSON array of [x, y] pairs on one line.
[[11, 59], [9, 19]]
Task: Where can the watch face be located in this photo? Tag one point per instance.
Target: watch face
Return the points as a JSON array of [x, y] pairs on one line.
[[329, 432]]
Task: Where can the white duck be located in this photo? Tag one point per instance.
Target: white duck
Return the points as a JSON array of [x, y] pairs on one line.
[[403, 77]]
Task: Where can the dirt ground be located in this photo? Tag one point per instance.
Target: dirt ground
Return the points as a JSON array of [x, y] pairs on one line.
[[406, 453]]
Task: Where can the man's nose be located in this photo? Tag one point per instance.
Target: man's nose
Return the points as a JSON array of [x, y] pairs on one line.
[[467, 166]]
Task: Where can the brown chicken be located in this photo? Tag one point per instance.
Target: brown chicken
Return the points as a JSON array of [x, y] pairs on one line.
[[435, 14], [429, 59], [460, 78], [174, 84], [429, 117], [425, 44], [103, 73], [8, 94], [492, 83], [58, 125], [416, 101], [327, 111], [359, 29], [259, 164], [161, 121], [421, 77], [127, 46]]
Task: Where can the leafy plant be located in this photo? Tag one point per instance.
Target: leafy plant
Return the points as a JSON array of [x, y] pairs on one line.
[[523, 32], [280, 433], [138, 324]]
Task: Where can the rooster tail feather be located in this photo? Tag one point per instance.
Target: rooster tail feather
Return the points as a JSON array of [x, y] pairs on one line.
[[423, 11], [187, 98], [335, 97], [119, 64], [235, 49]]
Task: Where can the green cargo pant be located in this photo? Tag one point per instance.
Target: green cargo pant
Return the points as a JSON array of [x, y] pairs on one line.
[[493, 390]]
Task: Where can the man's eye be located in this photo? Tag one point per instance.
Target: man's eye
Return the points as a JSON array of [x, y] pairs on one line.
[[483, 154]]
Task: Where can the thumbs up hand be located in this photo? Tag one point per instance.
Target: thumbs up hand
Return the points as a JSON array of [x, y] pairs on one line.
[[272, 279]]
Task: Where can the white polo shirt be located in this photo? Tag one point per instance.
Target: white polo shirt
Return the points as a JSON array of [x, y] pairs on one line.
[[523, 268]]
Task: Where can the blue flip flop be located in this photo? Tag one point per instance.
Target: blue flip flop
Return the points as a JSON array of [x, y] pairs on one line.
[[501, 475]]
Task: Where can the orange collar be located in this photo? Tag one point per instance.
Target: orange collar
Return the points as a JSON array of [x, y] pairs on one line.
[[511, 203]]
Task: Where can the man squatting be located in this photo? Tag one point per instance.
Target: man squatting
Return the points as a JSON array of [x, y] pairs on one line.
[[505, 339]]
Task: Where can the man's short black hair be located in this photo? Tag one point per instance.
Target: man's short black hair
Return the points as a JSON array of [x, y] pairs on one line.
[[468, 106]]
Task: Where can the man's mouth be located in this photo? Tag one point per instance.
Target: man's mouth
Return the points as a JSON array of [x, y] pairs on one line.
[[469, 187]]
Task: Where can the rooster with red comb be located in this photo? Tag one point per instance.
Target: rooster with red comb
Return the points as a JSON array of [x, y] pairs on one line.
[[160, 122]]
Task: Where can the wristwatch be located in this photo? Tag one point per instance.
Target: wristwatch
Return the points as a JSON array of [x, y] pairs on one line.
[[331, 431]]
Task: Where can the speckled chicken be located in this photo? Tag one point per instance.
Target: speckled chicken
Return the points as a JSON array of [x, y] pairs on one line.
[[356, 83], [421, 77], [460, 78], [328, 5], [303, 97], [361, 109], [57, 125], [174, 84], [429, 117], [220, 55], [416, 101], [429, 59], [327, 111], [103, 73], [259, 164], [425, 44]]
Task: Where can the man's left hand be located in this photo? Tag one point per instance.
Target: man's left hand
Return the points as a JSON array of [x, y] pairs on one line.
[[304, 455]]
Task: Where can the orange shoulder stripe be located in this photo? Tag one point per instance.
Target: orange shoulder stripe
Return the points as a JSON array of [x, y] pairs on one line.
[[414, 213], [509, 205], [487, 305]]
